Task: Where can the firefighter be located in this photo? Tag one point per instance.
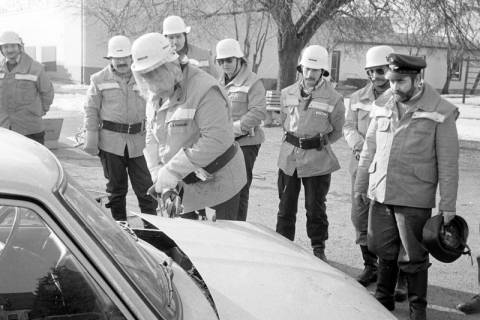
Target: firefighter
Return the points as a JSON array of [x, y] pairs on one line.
[[175, 29], [115, 130], [247, 97], [26, 93], [190, 141], [411, 146], [312, 119]]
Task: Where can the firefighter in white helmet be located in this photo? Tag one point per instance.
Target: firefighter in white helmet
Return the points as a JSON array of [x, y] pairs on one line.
[[190, 141], [115, 129], [357, 119], [26, 92], [247, 97], [175, 29], [312, 119]]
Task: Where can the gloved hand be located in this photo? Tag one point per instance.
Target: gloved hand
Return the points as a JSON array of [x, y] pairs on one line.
[[165, 180], [91, 143], [447, 216], [361, 197], [237, 129], [154, 172]]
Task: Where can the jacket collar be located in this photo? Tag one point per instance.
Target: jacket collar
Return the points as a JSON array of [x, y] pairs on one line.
[[23, 66], [366, 93], [427, 100], [239, 79]]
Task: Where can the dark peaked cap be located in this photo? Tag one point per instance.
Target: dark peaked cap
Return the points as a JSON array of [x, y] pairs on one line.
[[402, 64]]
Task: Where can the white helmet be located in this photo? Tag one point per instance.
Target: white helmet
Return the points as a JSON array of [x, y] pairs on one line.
[[377, 56], [10, 37], [314, 57], [150, 51], [174, 25], [118, 47], [228, 48]]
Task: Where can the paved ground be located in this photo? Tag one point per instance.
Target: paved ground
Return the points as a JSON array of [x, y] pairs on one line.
[[449, 283]]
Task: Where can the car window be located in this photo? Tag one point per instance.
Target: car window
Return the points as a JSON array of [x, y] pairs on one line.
[[40, 278], [150, 277]]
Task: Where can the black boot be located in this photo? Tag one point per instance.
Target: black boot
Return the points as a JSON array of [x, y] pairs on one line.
[[401, 288], [319, 251], [386, 279], [369, 273], [417, 284], [470, 307]]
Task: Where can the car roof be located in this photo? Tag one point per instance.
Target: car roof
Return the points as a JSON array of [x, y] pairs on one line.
[[26, 166]]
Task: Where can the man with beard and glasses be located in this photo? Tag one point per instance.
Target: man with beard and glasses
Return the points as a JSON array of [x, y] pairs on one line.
[[313, 115], [175, 29], [247, 97], [411, 147], [190, 143], [26, 93], [115, 130]]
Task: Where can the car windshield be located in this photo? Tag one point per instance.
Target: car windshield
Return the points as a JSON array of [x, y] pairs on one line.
[[149, 277]]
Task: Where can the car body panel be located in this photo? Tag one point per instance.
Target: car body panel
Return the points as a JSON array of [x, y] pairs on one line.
[[253, 273]]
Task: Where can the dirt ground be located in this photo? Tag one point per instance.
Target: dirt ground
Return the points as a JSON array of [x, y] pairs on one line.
[[449, 283]]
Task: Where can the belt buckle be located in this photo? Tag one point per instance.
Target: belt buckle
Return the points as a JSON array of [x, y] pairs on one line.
[[129, 128], [300, 142]]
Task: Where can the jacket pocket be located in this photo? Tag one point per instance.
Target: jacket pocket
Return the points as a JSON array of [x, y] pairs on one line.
[[112, 96], [427, 173], [26, 92]]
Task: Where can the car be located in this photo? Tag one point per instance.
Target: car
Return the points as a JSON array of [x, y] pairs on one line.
[[63, 257]]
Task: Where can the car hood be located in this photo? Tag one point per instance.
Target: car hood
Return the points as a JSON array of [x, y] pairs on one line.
[[254, 273]]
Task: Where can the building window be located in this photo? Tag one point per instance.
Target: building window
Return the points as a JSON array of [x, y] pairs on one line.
[[49, 58], [456, 73], [335, 69]]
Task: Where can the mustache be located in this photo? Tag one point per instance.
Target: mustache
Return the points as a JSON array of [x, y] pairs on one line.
[[122, 65]]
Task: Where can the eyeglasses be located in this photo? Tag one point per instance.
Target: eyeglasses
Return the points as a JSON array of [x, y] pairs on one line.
[[222, 61], [379, 71]]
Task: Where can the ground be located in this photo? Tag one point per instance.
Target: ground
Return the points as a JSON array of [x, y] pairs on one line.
[[449, 284]]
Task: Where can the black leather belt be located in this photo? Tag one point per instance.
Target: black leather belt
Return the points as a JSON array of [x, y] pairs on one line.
[[316, 142], [132, 128], [215, 165]]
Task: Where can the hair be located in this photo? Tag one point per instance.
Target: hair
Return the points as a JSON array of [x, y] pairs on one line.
[[173, 67]]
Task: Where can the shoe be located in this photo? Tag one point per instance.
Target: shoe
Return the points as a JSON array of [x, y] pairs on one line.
[[417, 284], [369, 273], [401, 288], [470, 307], [387, 275], [319, 252]]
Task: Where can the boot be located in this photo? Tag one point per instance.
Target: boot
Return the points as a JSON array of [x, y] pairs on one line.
[[369, 273], [386, 278], [470, 307], [319, 252], [417, 284], [401, 288]]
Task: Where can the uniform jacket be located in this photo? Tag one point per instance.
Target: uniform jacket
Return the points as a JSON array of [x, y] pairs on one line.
[[247, 97], [357, 119], [190, 130], [406, 159], [26, 94], [324, 116], [200, 58], [113, 98]]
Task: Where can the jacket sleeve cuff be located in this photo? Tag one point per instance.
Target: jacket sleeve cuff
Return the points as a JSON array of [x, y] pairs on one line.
[[180, 165]]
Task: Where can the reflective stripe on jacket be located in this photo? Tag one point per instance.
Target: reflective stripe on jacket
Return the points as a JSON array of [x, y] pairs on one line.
[[113, 98], [324, 116], [357, 119], [188, 132], [404, 160], [26, 94], [247, 98]]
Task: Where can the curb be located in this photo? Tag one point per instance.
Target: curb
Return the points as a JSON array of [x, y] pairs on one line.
[[469, 145]]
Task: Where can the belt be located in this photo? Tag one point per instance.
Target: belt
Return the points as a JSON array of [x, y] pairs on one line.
[[215, 165], [132, 128], [316, 142]]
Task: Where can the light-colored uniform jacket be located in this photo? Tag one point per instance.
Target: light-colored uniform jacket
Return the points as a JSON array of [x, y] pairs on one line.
[[405, 159], [200, 58], [324, 116], [26, 94], [189, 131], [247, 97], [113, 98], [357, 119]]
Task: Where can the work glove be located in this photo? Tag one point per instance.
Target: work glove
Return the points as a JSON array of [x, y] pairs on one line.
[[91, 143], [362, 197], [447, 216], [165, 180], [237, 129]]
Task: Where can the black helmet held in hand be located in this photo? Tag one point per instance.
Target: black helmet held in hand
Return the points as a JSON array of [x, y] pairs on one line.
[[446, 243]]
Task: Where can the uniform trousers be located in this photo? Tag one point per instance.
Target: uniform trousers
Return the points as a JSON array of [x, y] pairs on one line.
[[250, 154], [117, 169], [39, 137], [316, 189], [359, 216]]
